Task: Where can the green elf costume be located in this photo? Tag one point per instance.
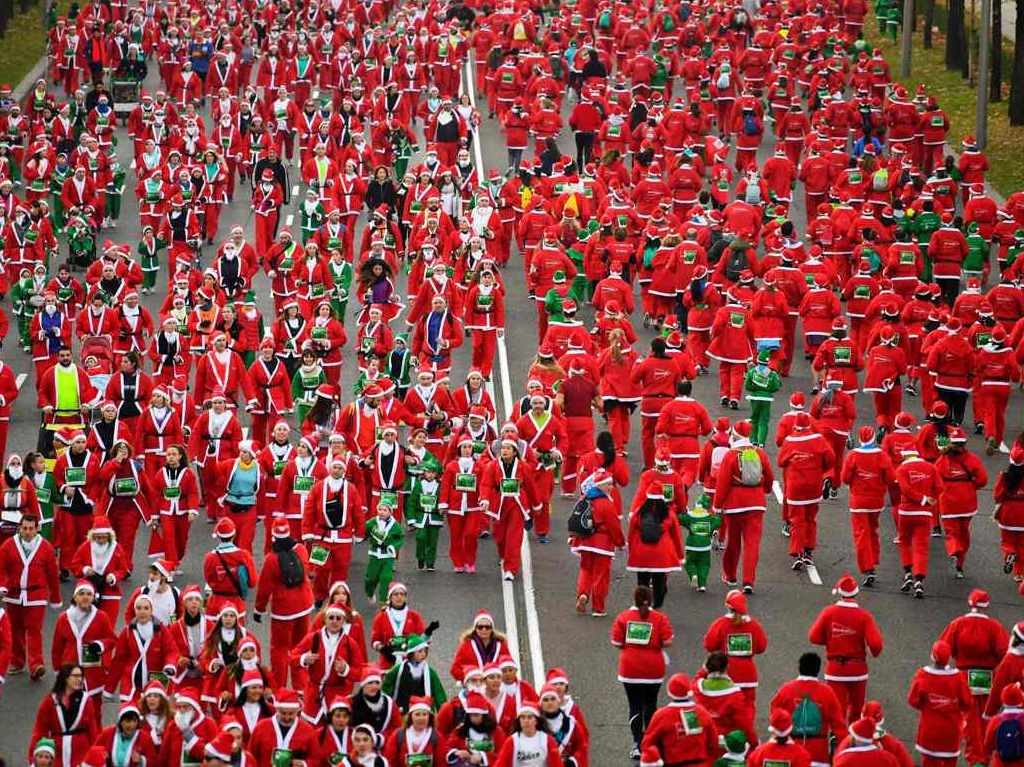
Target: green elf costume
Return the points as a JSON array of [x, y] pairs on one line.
[[414, 677], [21, 294], [305, 382], [761, 383], [385, 537], [423, 513], [115, 190], [736, 749], [700, 525], [341, 274], [978, 249], [149, 257], [311, 215], [57, 178], [398, 365], [46, 491]]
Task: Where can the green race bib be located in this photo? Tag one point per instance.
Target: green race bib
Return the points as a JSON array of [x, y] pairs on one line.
[[75, 476], [668, 490], [740, 644], [639, 632], [465, 482], [302, 484], [43, 494], [979, 680], [389, 498], [126, 486], [281, 757], [428, 503], [509, 486], [319, 556], [279, 467], [170, 493]]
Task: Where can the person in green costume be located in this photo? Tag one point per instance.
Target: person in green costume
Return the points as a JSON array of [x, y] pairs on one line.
[[311, 215], [341, 275], [21, 295], [149, 258], [398, 365], [978, 249], [700, 525], [307, 379], [761, 383], [385, 537], [423, 512], [413, 676], [115, 191], [40, 471], [736, 749]]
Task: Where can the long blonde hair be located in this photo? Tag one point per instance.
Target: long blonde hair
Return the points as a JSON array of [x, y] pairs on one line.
[[616, 336]]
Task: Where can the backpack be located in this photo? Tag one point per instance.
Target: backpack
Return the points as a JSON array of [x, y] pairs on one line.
[[581, 519], [722, 83], [737, 263], [605, 20], [880, 180], [1010, 740], [752, 194], [650, 525], [749, 125], [807, 719], [751, 471], [292, 573], [667, 22]]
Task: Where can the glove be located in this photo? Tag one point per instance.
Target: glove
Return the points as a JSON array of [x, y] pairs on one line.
[[432, 627], [111, 579], [258, 617]]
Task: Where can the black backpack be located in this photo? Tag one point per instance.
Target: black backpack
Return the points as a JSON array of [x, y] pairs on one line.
[[581, 519], [737, 262], [1010, 740], [292, 572]]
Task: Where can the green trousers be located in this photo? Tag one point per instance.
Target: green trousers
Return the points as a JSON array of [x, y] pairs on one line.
[[426, 544], [114, 206], [379, 573], [760, 415], [698, 564]]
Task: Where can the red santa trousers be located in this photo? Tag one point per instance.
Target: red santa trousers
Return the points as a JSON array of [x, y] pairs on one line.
[[26, 634], [837, 442], [5, 425], [991, 402], [697, 342], [244, 518], [112, 608], [463, 534], [544, 482], [265, 227], [334, 569], [580, 430], [742, 530], [804, 534], [485, 342], [213, 490], [508, 535], [730, 379], [174, 530], [1012, 542], [866, 544], [594, 579], [887, 405], [125, 521], [788, 343], [618, 425], [851, 697], [958, 538], [284, 635], [71, 532], [915, 532]]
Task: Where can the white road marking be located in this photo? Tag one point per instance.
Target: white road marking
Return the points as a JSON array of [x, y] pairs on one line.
[[812, 573], [245, 432], [777, 489], [289, 219], [508, 595], [295, 191], [22, 377]]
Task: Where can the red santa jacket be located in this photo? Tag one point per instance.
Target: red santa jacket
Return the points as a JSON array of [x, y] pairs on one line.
[[869, 472], [942, 697], [805, 458], [848, 632], [285, 602]]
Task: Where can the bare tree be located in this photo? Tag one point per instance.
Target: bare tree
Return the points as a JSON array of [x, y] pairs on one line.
[[995, 91], [1017, 76], [956, 38], [929, 21]]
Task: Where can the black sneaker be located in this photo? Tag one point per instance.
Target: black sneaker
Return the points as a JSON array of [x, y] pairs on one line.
[[908, 583], [724, 402], [1009, 562], [869, 580], [918, 589], [786, 530], [826, 488], [734, 404], [937, 532], [833, 493], [420, 565], [979, 428], [798, 564], [748, 588], [959, 574]]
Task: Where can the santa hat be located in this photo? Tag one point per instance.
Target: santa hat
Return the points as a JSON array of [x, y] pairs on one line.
[[476, 703], [846, 587], [507, 661], [155, 687], [165, 567], [741, 430], [904, 420], [191, 591], [396, 587], [472, 671], [528, 706], [483, 617], [84, 585], [736, 602], [1011, 696], [801, 422], [281, 529], [557, 676], [339, 703], [866, 435], [101, 526], [45, 746], [941, 653], [978, 599], [780, 723], [420, 703], [863, 730], [221, 747], [184, 698], [95, 757], [649, 758], [286, 699], [225, 528], [1017, 455], [679, 687], [372, 674]]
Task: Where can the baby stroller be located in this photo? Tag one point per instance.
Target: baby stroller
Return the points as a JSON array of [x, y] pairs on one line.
[[98, 360]]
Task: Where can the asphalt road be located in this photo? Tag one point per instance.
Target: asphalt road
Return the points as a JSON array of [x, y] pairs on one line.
[[785, 602]]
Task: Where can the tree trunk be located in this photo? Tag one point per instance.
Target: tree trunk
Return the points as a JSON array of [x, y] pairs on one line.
[[956, 38], [1017, 76], [6, 11], [929, 21], [995, 91]]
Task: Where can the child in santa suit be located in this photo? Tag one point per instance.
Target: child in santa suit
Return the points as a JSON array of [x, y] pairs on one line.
[[740, 637], [806, 458], [869, 473], [977, 643], [963, 475], [920, 488], [597, 550], [781, 749], [862, 748], [848, 632], [715, 691], [940, 693], [1012, 710]]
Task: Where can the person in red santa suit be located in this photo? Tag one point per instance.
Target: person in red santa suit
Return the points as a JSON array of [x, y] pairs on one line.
[[742, 505], [665, 742], [159, 427], [510, 499], [221, 368], [848, 632], [741, 637], [18, 496], [189, 636], [597, 550], [284, 587], [781, 748], [267, 199], [143, 646], [83, 635], [102, 561], [1008, 496], [68, 723], [580, 398], [273, 391], [941, 695], [76, 475], [978, 642], [438, 333], [656, 377], [229, 571], [732, 344], [189, 731], [285, 730], [995, 370], [333, 517], [485, 320], [886, 364], [215, 437], [683, 421], [715, 690], [963, 475], [333, 660], [805, 458], [1008, 671], [176, 499], [868, 471], [654, 539], [834, 413], [920, 487], [124, 496], [801, 695], [545, 433], [864, 747], [461, 485]]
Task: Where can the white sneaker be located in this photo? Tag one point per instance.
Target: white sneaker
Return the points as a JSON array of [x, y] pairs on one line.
[[508, 576], [1003, 448]]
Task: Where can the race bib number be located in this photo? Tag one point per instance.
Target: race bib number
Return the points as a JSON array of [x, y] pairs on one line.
[[740, 644], [465, 482], [319, 556], [639, 632]]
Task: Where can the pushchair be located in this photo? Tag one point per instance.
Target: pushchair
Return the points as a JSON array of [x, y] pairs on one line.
[[98, 360]]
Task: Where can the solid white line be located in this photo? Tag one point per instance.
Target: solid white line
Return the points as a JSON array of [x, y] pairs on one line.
[[812, 573], [777, 489], [22, 377], [290, 219], [530, 596]]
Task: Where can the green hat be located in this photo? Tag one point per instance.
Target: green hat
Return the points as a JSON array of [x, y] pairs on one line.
[[430, 463], [764, 356], [735, 742], [45, 746], [415, 642]]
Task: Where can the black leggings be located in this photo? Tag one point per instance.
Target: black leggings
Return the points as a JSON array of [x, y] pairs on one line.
[[643, 701], [658, 583], [957, 401]]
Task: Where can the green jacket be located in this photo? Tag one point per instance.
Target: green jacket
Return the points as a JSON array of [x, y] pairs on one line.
[[389, 684], [761, 383], [422, 504], [699, 528], [384, 540]]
